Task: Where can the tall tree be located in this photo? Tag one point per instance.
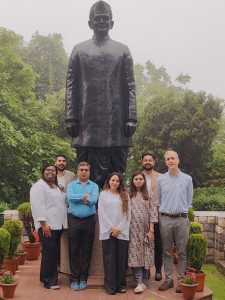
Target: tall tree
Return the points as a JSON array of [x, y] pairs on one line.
[[49, 60]]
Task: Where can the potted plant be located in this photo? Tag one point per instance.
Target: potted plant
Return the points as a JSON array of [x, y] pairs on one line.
[[4, 246], [195, 227], [32, 247], [196, 253], [188, 286], [14, 227], [8, 285], [21, 254]]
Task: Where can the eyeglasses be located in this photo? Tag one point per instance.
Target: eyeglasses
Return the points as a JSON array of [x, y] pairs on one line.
[[50, 170]]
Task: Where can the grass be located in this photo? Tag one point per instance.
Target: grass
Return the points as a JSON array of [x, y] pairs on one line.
[[215, 280]]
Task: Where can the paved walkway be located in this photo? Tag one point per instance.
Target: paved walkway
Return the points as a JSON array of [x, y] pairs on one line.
[[30, 288]]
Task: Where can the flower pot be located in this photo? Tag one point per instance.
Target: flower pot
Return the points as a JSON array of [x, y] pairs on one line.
[[200, 278], [8, 289], [188, 290], [17, 262], [22, 258], [32, 249], [10, 264]]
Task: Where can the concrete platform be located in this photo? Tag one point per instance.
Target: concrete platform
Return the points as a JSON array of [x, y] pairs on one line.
[[30, 288]]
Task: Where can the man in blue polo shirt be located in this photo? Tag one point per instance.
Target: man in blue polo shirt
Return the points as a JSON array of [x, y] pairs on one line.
[[82, 195], [175, 192]]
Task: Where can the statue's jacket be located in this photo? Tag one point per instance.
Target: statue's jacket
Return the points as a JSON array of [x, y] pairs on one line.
[[100, 93]]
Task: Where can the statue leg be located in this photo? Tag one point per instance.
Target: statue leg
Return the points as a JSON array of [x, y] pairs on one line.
[[118, 159]]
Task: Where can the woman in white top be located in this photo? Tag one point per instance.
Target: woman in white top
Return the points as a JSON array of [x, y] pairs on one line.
[[114, 221], [48, 203]]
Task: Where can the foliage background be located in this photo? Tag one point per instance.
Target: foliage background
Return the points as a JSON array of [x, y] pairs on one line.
[[32, 88]]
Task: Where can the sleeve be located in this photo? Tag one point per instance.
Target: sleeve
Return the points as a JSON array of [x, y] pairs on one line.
[[94, 195], [190, 193], [124, 224], [130, 86], [71, 196], [72, 88], [104, 221], [153, 211], [37, 200]]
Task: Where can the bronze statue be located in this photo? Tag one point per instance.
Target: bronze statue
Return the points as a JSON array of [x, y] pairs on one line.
[[100, 98]]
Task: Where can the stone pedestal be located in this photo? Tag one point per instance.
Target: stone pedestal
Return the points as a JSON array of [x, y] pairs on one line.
[[96, 267]]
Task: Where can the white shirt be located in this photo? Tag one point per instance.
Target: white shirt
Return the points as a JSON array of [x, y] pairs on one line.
[[110, 214], [48, 204]]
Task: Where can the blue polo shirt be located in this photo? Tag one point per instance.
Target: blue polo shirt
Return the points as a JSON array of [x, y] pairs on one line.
[[75, 193]]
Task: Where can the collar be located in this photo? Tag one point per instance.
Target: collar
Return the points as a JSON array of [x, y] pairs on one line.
[[79, 182]]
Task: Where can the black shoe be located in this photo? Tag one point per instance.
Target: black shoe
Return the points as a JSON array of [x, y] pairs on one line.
[[158, 276], [110, 291]]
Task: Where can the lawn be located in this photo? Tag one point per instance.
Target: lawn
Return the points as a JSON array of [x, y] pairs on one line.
[[215, 280]]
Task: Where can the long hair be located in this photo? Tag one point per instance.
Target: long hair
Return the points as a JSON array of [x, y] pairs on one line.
[[43, 171], [121, 190], [133, 189]]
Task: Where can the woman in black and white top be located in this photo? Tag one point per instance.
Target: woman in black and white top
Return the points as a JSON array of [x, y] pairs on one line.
[[49, 210], [114, 221]]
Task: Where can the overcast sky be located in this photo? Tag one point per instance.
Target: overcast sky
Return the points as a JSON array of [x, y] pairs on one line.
[[185, 36]]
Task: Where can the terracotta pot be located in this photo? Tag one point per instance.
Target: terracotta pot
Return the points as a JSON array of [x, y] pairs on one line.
[[32, 249], [8, 289], [188, 290], [22, 258], [200, 278], [17, 262], [10, 264]]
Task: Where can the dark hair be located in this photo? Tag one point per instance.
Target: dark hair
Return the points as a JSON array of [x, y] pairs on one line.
[[83, 163], [44, 167], [61, 154], [121, 190], [148, 153], [133, 189]]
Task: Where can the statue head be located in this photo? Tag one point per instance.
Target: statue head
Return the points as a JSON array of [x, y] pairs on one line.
[[100, 18]]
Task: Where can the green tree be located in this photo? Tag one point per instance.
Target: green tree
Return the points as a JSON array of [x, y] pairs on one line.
[[49, 60]]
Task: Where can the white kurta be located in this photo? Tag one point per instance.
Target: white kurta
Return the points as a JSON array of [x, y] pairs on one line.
[[48, 204], [110, 214]]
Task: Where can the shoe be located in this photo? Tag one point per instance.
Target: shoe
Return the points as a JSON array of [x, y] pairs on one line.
[[110, 291], [140, 288], [121, 290], [166, 285], [178, 289], [158, 276], [83, 285], [75, 286], [54, 287]]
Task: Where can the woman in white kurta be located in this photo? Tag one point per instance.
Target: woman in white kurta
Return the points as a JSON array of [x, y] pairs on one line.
[[114, 221], [143, 217], [49, 210]]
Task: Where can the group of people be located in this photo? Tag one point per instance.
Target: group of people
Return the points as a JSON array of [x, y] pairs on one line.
[[138, 225]]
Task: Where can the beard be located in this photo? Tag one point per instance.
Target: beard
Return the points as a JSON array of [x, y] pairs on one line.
[[147, 168]]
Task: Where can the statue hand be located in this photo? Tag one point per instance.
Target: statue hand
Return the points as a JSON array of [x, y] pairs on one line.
[[130, 128], [72, 129]]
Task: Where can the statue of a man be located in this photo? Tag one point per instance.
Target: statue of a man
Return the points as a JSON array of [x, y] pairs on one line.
[[100, 98]]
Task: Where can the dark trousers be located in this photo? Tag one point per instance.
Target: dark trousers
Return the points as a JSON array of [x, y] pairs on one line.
[[49, 258], [103, 161], [158, 248], [81, 236], [115, 254]]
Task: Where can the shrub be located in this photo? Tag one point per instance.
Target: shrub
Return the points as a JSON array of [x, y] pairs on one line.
[[25, 215], [7, 278], [196, 251], [211, 199], [4, 244], [191, 215], [14, 227], [195, 227], [3, 206]]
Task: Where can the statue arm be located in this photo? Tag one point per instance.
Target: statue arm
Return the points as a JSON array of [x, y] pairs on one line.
[[131, 121], [72, 88]]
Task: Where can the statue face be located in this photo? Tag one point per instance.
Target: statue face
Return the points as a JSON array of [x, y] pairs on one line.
[[101, 23]]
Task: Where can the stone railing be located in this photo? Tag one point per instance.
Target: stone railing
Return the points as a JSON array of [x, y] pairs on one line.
[[213, 225]]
